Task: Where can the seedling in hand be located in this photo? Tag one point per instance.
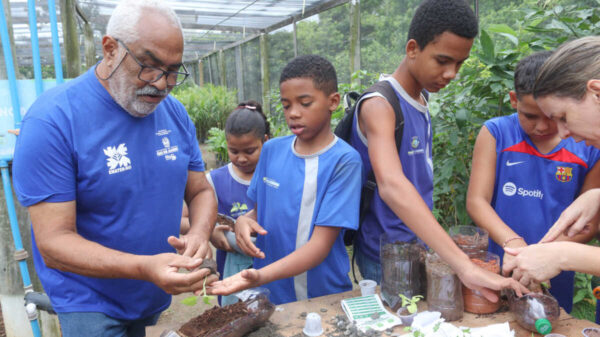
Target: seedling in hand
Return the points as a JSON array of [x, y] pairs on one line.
[[192, 300]]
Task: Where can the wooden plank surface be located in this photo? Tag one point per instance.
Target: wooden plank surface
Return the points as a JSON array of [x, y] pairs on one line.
[[288, 317]]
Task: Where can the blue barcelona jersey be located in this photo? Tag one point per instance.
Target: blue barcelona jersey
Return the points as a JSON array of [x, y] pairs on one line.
[[415, 154], [532, 189], [293, 194]]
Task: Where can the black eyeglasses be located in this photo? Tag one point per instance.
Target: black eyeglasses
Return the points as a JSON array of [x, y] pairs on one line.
[[150, 74]]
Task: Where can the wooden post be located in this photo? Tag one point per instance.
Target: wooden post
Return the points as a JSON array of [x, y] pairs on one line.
[[200, 73], [294, 33], [210, 75], [195, 70], [13, 48], [355, 38], [70, 38], [88, 35], [264, 72], [222, 69], [239, 72]]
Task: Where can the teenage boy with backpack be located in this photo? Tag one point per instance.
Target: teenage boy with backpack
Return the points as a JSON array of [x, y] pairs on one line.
[[439, 41]]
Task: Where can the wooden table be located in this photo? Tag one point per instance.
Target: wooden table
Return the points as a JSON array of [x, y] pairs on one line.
[[288, 317]]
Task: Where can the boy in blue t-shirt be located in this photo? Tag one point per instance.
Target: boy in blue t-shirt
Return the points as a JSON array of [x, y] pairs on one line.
[[307, 189], [523, 176], [439, 41]]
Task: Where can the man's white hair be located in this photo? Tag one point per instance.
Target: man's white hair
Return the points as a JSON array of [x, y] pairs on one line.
[[128, 13]]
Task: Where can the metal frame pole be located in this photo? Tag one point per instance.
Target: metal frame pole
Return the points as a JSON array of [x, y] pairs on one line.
[[55, 44], [35, 47]]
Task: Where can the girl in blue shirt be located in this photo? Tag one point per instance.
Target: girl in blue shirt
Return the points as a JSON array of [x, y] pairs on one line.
[[246, 130]]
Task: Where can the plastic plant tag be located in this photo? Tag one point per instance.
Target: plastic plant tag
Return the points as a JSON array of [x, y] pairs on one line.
[[368, 313]]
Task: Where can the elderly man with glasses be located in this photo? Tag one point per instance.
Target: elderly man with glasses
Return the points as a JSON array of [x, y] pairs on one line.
[[103, 163]]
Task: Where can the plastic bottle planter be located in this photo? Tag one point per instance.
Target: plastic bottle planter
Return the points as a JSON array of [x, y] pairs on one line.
[[470, 239], [444, 289], [401, 268], [535, 312], [475, 302], [234, 320]]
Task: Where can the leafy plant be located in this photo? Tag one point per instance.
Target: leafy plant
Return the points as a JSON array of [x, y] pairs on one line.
[[208, 106], [217, 144], [192, 300], [410, 303]]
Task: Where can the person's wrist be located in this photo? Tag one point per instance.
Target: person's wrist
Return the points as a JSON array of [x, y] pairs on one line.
[[515, 244], [510, 242]]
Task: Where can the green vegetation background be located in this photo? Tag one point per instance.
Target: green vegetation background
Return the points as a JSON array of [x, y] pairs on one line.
[[510, 30]]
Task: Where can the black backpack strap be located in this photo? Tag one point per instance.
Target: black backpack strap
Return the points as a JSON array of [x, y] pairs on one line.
[[384, 88]]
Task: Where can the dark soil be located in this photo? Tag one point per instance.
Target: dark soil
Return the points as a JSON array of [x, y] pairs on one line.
[[225, 220], [209, 264], [234, 320], [213, 319]]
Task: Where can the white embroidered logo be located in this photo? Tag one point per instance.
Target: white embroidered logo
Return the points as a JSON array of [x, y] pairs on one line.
[[117, 160], [168, 151]]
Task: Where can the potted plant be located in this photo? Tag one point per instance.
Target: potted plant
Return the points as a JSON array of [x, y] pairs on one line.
[[409, 308]]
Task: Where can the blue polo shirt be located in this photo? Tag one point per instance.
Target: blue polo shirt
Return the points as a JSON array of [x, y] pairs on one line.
[[294, 193]]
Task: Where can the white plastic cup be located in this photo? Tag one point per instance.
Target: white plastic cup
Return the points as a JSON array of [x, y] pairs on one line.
[[313, 326], [367, 287]]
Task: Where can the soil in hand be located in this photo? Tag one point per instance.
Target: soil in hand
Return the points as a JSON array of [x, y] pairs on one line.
[[225, 220], [475, 302], [209, 264]]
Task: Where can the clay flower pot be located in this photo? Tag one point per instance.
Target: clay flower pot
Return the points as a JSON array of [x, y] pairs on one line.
[[405, 316]]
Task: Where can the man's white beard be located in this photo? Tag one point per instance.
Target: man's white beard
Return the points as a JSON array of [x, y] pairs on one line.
[[126, 95]]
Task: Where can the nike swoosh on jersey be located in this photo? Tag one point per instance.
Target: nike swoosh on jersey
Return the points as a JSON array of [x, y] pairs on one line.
[[509, 163]]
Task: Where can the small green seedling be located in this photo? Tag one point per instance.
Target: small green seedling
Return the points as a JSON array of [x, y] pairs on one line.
[[192, 300], [410, 303]]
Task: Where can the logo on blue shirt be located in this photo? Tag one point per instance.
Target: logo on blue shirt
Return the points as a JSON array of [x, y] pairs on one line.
[[509, 189], [270, 182], [415, 142], [117, 160]]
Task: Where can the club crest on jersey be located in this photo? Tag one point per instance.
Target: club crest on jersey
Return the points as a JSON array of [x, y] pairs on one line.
[[564, 174], [415, 142]]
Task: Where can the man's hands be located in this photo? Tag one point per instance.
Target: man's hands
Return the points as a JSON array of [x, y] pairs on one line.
[[163, 270], [191, 244], [244, 228]]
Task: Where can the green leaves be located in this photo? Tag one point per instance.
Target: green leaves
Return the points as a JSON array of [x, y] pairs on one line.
[[410, 303], [190, 301]]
